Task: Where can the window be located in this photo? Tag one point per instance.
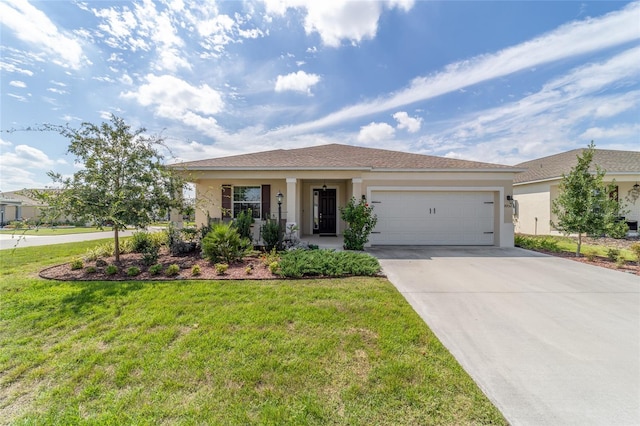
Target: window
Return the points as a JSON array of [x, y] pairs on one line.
[[247, 197]]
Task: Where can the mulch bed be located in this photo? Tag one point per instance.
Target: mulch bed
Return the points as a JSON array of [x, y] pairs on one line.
[[236, 271]]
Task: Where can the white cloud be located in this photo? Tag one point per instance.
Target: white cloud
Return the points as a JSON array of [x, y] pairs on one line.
[[18, 83], [5, 143], [26, 156], [376, 132], [616, 131], [4, 66], [412, 124], [57, 91], [577, 38], [335, 21], [175, 99], [33, 26], [18, 97], [298, 81]]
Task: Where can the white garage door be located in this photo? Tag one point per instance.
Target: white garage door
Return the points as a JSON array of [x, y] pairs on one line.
[[433, 218]]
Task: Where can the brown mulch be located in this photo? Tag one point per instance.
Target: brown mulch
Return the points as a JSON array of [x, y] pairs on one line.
[[236, 271]]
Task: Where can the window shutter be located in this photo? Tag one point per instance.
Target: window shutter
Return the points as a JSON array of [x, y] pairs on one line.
[[226, 201], [266, 201]]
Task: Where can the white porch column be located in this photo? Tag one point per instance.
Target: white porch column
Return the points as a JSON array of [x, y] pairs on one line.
[[292, 195], [356, 188]]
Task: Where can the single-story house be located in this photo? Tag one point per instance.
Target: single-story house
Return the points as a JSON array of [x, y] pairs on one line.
[[418, 199], [18, 206], [537, 187]]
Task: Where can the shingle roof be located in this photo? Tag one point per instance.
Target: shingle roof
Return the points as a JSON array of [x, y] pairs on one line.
[[555, 165], [337, 156]]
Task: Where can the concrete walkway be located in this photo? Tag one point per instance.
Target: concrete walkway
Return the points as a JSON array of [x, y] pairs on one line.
[[549, 340]]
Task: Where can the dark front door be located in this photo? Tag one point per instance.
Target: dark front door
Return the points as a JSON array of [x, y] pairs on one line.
[[327, 211]]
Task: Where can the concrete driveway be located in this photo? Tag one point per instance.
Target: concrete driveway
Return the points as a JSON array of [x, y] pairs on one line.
[[550, 341]]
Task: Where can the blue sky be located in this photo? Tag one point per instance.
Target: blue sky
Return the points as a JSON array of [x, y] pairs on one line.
[[498, 81]]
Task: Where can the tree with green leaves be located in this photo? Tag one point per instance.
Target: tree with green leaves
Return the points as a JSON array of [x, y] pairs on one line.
[[123, 180], [584, 204]]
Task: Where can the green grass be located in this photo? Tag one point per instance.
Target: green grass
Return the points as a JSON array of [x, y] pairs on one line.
[[339, 351], [565, 244], [51, 231]]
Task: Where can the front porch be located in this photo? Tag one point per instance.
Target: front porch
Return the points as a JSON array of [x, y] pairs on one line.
[[325, 242]]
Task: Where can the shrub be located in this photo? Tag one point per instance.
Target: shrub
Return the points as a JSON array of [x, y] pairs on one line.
[[221, 268], [272, 235], [172, 270], [617, 229], [77, 264], [195, 271], [159, 239], [360, 222], [269, 257], [620, 261], [531, 242], [111, 270], [177, 243], [248, 270], [155, 269], [150, 255], [590, 255], [243, 223], [224, 243], [274, 267], [133, 271], [613, 254], [299, 263], [91, 270], [101, 263], [635, 248], [91, 255], [141, 241]]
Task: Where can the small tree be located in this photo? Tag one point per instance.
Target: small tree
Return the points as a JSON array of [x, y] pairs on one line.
[[123, 180], [360, 221], [584, 205]]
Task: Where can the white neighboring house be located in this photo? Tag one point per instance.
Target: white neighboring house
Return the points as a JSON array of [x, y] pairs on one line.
[[18, 206], [535, 189]]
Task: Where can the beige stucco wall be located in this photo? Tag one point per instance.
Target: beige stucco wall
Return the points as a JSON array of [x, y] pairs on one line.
[[535, 200], [347, 184]]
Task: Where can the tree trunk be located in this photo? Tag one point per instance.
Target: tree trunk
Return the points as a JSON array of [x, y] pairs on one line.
[[579, 244], [117, 244]]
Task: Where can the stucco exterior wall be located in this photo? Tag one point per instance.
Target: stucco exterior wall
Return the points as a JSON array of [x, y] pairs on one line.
[[534, 209]]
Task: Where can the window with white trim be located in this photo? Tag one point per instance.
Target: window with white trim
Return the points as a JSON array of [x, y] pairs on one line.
[[247, 197]]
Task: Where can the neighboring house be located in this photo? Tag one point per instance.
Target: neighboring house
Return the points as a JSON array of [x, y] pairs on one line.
[[536, 188], [16, 205], [419, 199]]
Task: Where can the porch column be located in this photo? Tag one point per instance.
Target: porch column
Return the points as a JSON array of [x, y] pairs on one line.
[[356, 188], [292, 196]]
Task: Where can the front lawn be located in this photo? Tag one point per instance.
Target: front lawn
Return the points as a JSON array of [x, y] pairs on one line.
[[337, 351]]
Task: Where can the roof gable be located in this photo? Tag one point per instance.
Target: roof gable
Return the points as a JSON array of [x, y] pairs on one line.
[[554, 166], [338, 156]]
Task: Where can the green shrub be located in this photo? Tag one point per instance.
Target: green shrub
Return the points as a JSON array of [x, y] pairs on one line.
[[159, 239], [195, 271], [531, 242], [360, 222], [329, 263], [590, 255], [133, 271], [172, 270], [155, 269], [274, 267], [269, 257], [150, 255], [91, 255], [635, 248], [177, 243], [91, 270], [613, 254], [248, 270], [243, 223], [141, 241], [272, 235], [224, 243], [77, 264], [111, 270], [617, 229], [620, 261], [221, 268], [101, 263]]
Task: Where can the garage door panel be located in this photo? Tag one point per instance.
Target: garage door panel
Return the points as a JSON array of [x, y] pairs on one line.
[[433, 218]]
